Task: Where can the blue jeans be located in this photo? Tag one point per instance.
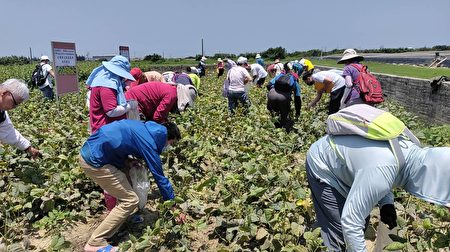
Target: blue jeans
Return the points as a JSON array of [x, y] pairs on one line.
[[47, 91], [235, 97]]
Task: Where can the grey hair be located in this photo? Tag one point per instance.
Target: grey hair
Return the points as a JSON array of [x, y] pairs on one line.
[[17, 87]]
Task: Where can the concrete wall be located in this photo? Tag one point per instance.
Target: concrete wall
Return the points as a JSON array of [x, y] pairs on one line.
[[417, 96]]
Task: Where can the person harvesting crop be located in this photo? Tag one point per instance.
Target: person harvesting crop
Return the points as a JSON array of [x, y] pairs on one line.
[[107, 101], [220, 67], [352, 93], [350, 174], [13, 92], [238, 78], [192, 72], [260, 60], [326, 82], [279, 97], [202, 66], [258, 73], [102, 158], [156, 99], [308, 67]]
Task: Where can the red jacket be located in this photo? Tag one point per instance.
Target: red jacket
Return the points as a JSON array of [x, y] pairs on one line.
[[102, 100], [155, 99]]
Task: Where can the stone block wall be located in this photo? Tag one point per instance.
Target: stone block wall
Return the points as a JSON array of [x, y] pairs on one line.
[[417, 96]]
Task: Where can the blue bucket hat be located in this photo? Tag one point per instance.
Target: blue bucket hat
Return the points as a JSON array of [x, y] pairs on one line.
[[120, 66]]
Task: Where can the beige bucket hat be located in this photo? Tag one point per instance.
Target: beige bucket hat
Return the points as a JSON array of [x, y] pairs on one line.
[[350, 54]]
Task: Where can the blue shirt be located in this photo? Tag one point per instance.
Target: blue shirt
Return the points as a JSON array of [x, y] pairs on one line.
[[294, 82], [260, 61], [112, 144]]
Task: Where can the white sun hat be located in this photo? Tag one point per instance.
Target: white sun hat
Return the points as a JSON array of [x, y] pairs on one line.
[[242, 60], [350, 54]]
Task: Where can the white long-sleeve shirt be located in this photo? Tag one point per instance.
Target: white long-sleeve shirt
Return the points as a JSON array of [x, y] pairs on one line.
[[9, 135]]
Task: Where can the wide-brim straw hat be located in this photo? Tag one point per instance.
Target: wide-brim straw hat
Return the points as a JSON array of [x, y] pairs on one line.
[[350, 54]]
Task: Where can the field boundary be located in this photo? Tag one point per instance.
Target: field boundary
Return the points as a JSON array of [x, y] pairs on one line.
[[416, 95]]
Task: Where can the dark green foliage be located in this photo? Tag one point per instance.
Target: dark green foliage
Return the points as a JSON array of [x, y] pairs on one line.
[[154, 57]]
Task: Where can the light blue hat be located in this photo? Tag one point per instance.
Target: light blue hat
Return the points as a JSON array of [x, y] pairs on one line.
[[120, 66]]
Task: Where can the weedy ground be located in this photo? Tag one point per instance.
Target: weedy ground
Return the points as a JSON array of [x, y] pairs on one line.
[[240, 180]]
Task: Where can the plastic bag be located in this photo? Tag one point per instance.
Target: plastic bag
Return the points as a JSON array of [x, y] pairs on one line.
[[133, 113], [226, 86], [140, 182]]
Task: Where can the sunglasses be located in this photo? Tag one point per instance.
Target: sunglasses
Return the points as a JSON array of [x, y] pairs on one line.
[[14, 100]]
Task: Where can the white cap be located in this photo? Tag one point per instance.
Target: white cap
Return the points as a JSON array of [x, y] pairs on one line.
[[44, 57], [242, 60], [203, 58], [257, 56]]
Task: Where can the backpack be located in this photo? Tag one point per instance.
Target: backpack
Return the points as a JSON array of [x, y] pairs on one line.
[[369, 86], [283, 83], [372, 123], [37, 77]]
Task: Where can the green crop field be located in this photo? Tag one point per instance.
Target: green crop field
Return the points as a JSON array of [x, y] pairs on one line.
[[241, 181]]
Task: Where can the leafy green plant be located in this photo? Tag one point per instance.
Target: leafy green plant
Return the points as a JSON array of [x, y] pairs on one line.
[[241, 181]]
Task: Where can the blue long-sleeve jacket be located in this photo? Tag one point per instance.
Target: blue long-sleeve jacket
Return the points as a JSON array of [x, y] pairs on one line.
[[113, 142]]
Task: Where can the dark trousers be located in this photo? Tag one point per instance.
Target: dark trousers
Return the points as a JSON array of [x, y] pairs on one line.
[[261, 81], [279, 103], [335, 100], [47, 91], [234, 98], [220, 72]]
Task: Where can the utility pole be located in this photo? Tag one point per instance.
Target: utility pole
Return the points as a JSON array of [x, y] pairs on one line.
[[203, 53], [31, 57]]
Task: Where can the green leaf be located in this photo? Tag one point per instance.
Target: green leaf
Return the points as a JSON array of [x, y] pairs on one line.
[[37, 192], [427, 224], [210, 182], [393, 246], [297, 229]]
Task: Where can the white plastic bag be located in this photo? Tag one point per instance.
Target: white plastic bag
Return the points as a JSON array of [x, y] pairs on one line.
[[141, 184], [226, 86], [133, 113]]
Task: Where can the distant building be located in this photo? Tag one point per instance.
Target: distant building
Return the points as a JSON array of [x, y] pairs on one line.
[[102, 57]]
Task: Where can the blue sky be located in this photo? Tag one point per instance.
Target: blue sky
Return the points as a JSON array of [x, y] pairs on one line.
[[174, 28]]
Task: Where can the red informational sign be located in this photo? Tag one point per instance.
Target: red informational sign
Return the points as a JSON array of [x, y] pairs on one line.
[[64, 63], [125, 52]]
